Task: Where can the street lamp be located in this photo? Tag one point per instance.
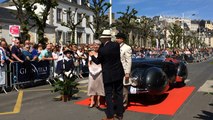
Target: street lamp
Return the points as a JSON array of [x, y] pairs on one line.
[[199, 29], [183, 31], [110, 13], [209, 35]]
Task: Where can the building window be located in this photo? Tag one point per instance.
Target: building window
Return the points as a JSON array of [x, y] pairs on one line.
[[68, 16], [84, 2], [75, 1], [87, 21], [68, 40], [58, 36], [64, 37], [79, 38], [79, 17], [59, 15], [88, 39]]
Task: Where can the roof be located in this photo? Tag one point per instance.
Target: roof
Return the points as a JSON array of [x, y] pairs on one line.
[[8, 16], [75, 5], [6, 3]]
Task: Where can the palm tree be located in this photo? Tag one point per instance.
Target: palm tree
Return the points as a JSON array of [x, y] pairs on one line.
[[176, 34], [159, 34], [146, 26]]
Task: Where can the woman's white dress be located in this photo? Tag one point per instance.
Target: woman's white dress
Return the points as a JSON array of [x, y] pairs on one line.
[[95, 84]]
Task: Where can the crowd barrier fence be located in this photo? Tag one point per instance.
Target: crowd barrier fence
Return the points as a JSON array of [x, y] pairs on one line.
[[28, 71], [3, 77], [15, 74]]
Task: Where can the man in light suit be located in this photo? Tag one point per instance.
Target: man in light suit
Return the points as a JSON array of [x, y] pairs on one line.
[[126, 60]]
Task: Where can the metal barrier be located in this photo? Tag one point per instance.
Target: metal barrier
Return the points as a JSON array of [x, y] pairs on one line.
[[29, 71], [16, 73], [3, 78]]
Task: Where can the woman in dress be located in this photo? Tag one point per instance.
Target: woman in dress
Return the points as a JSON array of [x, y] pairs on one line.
[[95, 84]]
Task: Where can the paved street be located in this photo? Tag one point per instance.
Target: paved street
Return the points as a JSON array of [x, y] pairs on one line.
[[37, 103]]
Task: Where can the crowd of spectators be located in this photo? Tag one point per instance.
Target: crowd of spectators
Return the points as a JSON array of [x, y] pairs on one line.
[[183, 54], [28, 51]]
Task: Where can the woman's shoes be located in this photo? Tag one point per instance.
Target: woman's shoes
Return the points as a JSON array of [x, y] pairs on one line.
[[97, 105], [94, 105], [91, 105]]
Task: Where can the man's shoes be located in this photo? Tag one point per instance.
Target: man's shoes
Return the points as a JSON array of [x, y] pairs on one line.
[[107, 119], [125, 107], [118, 117]]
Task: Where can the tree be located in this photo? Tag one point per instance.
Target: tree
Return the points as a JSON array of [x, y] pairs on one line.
[[187, 40], [195, 42], [99, 8], [159, 35], [153, 38], [71, 23], [41, 18], [23, 18], [126, 22], [176, 34], [161, 31], [146, 26]]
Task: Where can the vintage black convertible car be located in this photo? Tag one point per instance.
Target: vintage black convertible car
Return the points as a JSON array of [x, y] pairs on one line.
[[155, 76]]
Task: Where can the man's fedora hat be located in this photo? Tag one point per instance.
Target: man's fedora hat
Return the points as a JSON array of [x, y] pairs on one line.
[[121, 35], [68, 51], [106, 34]]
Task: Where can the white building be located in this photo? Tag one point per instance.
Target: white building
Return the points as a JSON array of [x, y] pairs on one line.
[[7, 19], [194, 27], [83, 33], [183, 21]]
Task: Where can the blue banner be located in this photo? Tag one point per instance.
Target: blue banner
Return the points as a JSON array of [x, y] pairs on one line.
[[30, 71]]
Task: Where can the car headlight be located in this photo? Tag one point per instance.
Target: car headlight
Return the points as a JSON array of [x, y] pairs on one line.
[[134, 81], [134, 78]]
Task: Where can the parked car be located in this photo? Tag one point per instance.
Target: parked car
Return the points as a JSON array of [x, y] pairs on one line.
[[155, 76]]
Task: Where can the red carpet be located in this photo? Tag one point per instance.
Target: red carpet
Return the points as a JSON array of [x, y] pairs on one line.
[[174, 99]]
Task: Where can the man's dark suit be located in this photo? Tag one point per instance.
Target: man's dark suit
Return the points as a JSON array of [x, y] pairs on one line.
[[113, 73]]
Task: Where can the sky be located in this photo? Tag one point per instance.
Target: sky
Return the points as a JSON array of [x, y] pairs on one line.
[[193, 9], [202, 9]]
